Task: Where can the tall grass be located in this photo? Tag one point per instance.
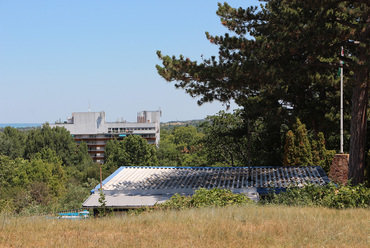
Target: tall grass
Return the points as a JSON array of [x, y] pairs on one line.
[[234, 226]]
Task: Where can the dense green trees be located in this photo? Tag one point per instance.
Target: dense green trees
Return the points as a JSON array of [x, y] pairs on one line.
[[41, 168], [287, 69], [132, 150], [45, 182], [57, 139], [40, 180], [181, 146], [223, 141], [12, 142]]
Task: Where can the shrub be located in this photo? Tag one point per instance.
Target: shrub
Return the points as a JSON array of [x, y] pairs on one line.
[[202, 198], [328, 195], [205, 198]]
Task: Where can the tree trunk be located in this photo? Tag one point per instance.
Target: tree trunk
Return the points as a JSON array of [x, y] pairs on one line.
[[357, 150]]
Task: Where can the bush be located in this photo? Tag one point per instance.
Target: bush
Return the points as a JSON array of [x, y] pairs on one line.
[[202, 198], [205, 198], [328, 195]]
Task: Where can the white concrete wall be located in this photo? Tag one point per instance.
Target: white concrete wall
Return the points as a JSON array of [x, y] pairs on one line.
[[94, 123]]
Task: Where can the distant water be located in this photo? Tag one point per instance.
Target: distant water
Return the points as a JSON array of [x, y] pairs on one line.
[[20, 125]]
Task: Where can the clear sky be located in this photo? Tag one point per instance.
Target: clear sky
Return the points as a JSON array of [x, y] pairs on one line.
[[56, 56]]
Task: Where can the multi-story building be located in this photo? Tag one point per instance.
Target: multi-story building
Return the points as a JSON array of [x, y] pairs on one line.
[[91, 127]]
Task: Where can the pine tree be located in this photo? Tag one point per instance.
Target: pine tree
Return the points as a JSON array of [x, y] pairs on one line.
[[289, 64]]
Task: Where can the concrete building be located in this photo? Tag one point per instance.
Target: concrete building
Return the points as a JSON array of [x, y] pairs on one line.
[[91, 127]]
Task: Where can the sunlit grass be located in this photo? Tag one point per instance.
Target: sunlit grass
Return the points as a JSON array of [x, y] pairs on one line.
[[249, 226]]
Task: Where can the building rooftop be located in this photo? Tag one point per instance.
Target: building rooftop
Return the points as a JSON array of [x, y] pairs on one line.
[[144, 186]]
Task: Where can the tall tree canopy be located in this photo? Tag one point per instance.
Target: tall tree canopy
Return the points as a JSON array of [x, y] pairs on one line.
[[57, 139], [223, 141], [12, 142], [288, 67], [131, 151]]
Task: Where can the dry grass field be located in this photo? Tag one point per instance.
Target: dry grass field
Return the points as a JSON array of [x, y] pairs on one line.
[[250, 226]]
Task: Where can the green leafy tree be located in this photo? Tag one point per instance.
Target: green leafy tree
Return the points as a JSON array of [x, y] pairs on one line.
[[168, 154], [46, 167], [13, 172], [133, 150], [12, 142], [288, 66], [223, 141], [57, 139], [84, 163], [41, 180], [181, 147], [83, 155]]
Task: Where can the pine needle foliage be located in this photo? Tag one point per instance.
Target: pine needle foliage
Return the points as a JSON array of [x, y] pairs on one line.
[[280, 59]]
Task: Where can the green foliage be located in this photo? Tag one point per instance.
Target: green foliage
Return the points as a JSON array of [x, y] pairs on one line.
[[300, 151], [224, 140], [24, 183], [12, 172], [320, 155], [289, 153], [297, 147], [47, 177], [101, 200], [205, 198], [76, 194], [57, 139], [181, 147], [12, 142], [83, 157], [302, 143], [280, 62], [132, 150], [328, 195], [172, 125], [215, 197], [103, 211]]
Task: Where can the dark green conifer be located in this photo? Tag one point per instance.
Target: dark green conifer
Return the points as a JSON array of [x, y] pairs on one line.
[[289, 153], [302, 145], [288, 65]]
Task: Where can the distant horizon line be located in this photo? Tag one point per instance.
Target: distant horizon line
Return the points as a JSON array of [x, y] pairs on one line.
[[39, 124]]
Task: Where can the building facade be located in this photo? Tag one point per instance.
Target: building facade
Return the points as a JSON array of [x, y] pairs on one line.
[[91, 127]]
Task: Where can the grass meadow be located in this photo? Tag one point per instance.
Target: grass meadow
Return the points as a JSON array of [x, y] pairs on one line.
[[234, 226]]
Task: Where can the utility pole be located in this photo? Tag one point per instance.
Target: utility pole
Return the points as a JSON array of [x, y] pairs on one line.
[[341, 103], [101, 179]]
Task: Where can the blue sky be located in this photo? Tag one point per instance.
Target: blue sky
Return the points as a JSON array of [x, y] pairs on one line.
[[56, 56]]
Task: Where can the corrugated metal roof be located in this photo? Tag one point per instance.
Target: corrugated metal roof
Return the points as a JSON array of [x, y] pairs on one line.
[[146, 178], [166, 181]]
